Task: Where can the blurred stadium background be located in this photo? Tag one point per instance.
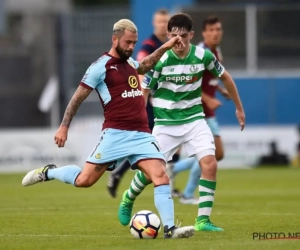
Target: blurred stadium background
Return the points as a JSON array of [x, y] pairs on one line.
[[46, 46]]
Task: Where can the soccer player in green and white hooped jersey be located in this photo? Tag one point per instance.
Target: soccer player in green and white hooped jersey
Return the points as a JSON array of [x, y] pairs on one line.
[[179, 117]]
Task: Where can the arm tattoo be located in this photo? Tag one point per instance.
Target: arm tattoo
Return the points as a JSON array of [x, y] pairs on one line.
[[151, 60], [79, 96], [99, 167]]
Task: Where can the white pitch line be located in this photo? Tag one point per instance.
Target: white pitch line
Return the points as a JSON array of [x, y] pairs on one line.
[[62, 235]]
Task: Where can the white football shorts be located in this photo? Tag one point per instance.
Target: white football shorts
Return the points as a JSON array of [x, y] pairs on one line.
[[196, 138]]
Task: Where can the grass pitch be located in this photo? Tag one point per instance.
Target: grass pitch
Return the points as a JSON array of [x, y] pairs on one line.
[[56, 216]]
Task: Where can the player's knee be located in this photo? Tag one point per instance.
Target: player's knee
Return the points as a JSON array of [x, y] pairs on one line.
[[160, 178], [155, 171], [209, 166]]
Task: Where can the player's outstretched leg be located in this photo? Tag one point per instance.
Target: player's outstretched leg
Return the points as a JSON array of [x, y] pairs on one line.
[[137, 185], [207, 187], [66, 174], [71, 174], [192, 184], [164, 203], [115, 178]]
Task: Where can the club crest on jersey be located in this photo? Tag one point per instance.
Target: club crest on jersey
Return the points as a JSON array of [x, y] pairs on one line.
[[193, 69], [133, 82]]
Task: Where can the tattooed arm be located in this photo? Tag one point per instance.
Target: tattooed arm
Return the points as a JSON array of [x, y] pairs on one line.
[[79, 96], [150, 61], [62, 133]]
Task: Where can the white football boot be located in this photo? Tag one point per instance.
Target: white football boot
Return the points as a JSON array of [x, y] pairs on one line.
[[37, 175]]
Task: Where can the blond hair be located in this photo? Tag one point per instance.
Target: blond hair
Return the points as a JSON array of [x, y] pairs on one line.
[[124, 24]]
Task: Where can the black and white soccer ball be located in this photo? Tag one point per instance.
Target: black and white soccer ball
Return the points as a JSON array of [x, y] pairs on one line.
[[145, 225]]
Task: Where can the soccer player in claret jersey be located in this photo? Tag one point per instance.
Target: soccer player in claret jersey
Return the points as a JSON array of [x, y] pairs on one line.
[[152, 43], [149, 45], [179, 117], [126, 133]]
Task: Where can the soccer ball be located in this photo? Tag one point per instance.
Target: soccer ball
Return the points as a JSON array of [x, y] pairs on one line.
[[144, 225]]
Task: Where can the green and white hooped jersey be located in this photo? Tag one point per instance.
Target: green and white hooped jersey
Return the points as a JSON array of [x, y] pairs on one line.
[[177, 99]]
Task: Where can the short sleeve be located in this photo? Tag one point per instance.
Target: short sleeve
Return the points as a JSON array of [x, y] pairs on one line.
[[212, 64], [151, 78], [95, 74], [133, 63]]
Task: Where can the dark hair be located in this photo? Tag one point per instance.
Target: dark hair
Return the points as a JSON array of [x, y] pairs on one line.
[[180, 21], [209, 21], [161, 12]]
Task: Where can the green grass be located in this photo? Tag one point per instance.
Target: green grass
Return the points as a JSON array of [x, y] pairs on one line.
[[54, 215]]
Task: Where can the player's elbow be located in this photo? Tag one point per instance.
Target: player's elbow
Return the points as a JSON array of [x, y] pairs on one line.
[[225, 77]]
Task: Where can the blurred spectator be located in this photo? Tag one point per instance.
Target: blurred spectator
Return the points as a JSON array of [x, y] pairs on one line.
[[275, 157]]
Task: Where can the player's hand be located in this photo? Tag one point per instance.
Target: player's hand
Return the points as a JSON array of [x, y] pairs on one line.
[[241, 118], [61, 136], [175, 41], [213, 103]]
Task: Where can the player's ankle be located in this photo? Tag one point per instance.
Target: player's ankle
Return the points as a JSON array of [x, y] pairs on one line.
[[202, 217]]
